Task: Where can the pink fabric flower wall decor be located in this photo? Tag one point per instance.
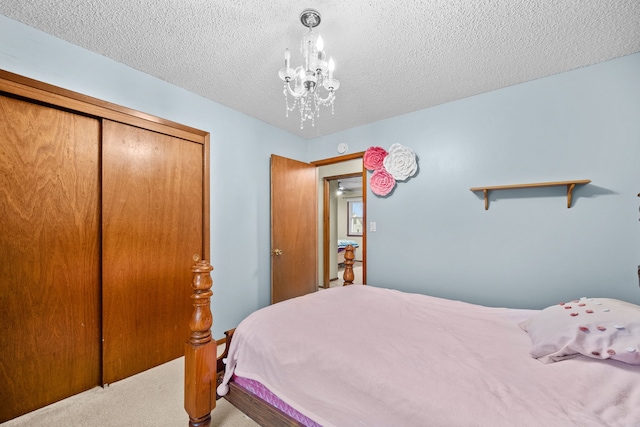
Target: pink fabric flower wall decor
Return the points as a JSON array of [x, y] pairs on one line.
[[398, 164], [381, 182], [373, 158]]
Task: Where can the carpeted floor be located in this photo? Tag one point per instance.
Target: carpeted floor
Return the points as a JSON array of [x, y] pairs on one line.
[[154, 398]]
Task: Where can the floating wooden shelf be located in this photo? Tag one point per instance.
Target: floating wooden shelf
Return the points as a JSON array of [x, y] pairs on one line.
[[570, 186]]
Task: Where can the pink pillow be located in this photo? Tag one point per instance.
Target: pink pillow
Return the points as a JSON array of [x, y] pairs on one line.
[[601, 328]]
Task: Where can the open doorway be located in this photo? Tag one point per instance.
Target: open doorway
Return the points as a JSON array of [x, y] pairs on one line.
[[342, 219], [344, 227]]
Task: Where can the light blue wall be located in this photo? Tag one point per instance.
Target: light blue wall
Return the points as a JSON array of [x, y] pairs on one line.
[[528, 250], [240, 150]]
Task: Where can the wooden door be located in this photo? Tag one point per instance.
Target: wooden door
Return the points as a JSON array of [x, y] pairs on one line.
[[152, 226], [49, 256], [294, 225]]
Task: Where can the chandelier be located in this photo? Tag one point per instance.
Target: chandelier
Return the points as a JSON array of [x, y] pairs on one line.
[[312, 84]]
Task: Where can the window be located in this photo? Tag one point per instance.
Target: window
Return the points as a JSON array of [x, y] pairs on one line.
[[355, 218]]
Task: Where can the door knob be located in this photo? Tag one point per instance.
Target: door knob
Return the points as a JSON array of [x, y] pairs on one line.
[[277, 252]]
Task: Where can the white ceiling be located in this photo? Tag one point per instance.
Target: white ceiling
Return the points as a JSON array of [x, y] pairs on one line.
[[351, 184], [392, 57]]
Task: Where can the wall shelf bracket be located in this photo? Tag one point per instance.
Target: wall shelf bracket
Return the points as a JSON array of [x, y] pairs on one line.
[[569, 184]]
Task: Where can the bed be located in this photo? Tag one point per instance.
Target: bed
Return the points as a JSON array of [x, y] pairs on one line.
[[387, 358], [342, 246]]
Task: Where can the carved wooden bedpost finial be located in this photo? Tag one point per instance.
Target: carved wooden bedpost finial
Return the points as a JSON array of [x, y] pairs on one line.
[[200, 351], [202, 319], [348, 265]]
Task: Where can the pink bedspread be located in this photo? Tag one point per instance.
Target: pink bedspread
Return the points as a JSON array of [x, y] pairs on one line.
[[365, 356]]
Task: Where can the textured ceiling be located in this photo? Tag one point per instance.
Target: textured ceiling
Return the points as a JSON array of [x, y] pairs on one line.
[[392, 57]]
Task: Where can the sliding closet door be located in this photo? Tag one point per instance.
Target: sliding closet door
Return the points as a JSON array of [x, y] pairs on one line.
[[152, 226], [49, 256]]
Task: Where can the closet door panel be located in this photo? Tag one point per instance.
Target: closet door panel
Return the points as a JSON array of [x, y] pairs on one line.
[[152, 226], [49, 256]]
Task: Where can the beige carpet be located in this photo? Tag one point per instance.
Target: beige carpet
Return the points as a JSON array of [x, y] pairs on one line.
[[153, 398]]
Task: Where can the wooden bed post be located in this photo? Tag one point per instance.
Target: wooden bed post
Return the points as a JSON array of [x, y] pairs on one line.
[[200, 351], [348, 265]]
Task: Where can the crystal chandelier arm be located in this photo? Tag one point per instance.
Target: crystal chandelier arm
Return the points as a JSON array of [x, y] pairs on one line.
[[322, 101], [293, 92], [331, 84]]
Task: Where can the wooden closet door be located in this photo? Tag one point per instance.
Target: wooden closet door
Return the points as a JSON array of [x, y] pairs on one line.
[[49, 256], [152, 205]]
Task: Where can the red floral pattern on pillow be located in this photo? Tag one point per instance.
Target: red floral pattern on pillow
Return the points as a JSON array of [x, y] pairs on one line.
[[609, 330]]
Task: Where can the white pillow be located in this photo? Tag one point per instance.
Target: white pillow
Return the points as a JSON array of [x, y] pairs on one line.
[[601, 328]]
